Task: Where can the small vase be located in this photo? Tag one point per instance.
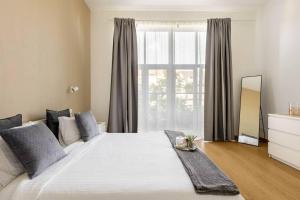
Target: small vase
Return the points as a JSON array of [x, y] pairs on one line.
[[190, 144]]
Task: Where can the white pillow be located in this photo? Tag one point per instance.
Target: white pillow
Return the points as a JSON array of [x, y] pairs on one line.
[[29, 123], [10, 166], [68, 130]]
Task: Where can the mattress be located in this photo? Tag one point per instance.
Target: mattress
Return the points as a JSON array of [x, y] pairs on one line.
[[112, 167]]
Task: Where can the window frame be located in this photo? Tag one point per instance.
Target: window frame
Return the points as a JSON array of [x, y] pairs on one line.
[[171, 67]]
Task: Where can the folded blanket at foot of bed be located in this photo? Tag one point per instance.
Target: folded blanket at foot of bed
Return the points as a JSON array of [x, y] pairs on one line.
[[206, 177]]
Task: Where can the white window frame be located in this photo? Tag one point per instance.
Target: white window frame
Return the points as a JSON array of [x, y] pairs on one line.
[[171, 68]]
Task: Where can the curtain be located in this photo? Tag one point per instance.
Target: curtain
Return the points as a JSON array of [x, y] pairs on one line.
[[123, 110], [218, 110]]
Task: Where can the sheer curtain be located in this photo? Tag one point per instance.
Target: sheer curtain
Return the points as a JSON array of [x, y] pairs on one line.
[[171, 76]]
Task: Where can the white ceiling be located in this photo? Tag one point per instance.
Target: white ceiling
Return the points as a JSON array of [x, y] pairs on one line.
[[177, 5]]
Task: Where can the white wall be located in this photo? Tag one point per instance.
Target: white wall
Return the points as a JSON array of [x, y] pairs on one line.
[[278, 33], [243, 49]]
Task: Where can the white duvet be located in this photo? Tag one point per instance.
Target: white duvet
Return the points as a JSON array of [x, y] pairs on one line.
[[112, 167]]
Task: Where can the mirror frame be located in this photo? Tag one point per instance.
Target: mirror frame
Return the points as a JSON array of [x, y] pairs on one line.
[[246, 139]]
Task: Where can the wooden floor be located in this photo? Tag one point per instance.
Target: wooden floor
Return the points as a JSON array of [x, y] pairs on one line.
[[257, 176]]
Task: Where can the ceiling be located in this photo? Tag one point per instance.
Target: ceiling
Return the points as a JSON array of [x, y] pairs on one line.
[[177, 5]]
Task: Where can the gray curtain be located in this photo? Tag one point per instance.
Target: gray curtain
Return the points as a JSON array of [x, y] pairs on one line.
[[218, 110], [123, 109]]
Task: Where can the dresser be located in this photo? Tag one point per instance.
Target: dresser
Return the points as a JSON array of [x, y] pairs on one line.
[[284, 139]]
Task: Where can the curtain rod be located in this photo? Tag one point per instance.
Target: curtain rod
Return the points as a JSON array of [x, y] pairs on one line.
[[189, 21]]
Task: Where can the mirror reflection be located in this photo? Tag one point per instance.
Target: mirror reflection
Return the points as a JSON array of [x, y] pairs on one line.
[[250, 110]]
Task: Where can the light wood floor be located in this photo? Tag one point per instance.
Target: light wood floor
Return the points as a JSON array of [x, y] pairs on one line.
[[257, 176]]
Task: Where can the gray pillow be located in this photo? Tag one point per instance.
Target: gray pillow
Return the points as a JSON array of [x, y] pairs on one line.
[[11, 122], [87, 125], [52, 119], [35, 147]]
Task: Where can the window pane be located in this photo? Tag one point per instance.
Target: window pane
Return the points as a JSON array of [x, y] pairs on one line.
[[140, 100], [141, 49], [184, 111], [157, 48], [157, 108], [140, 81], [185, 47], [184, 81], [157, 113], [201, 47], [158, 81], [171, 97], [202, 83], [140, 87]]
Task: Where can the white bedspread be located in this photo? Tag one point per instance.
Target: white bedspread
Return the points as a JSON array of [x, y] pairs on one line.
[[112, 167]]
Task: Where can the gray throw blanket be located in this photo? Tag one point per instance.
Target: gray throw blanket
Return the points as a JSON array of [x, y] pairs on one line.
[[206, 177]]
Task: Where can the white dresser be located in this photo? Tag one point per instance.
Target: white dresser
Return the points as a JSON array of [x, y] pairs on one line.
[[284, 139]]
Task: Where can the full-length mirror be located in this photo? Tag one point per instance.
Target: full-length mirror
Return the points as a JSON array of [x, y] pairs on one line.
[[250, 110]]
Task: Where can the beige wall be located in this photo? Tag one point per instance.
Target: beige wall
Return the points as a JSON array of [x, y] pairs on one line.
[[278, 54], [44, 48], [243, 47]]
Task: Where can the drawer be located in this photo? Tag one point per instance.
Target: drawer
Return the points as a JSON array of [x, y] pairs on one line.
[[288, 125], [285, 139], [288, 156]]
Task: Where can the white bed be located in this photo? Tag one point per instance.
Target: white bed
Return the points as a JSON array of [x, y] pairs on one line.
[[112, 167]]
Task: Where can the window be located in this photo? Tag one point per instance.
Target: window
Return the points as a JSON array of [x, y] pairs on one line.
[[171, 78]]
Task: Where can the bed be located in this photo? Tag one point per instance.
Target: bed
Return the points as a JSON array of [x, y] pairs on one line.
[[112, 167]]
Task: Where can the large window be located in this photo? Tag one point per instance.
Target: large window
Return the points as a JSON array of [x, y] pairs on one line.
[[171, 78]]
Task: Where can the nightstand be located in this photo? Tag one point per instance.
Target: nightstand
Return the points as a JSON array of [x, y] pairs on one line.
[[102, 126]]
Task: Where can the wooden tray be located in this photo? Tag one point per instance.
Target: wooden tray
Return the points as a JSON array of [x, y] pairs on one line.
[[186, 148]]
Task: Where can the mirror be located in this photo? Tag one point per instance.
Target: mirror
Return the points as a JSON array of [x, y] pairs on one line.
[[250, 110]]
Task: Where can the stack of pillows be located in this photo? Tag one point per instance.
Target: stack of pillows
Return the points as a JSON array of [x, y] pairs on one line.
[[32, 147]]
